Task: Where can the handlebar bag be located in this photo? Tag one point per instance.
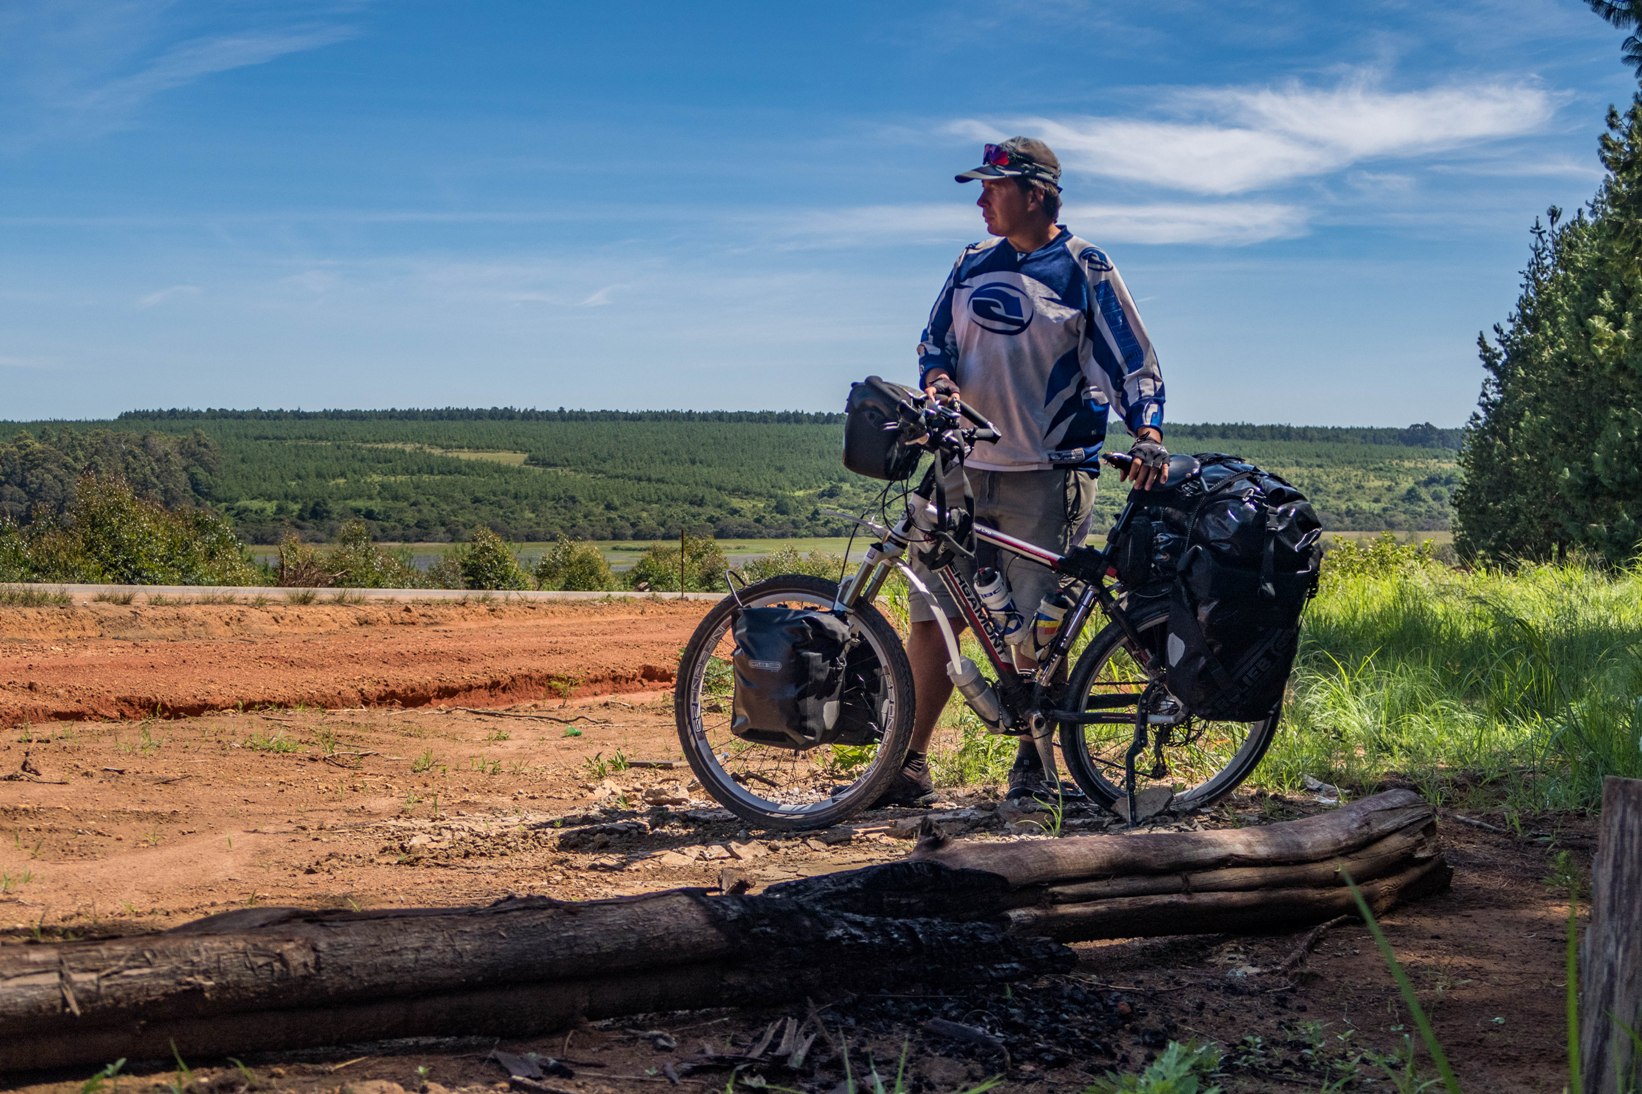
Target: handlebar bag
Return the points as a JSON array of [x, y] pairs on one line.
[[789, 675], [873, 445]]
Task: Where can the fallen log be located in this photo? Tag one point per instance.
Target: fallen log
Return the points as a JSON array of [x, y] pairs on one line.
[[288, 978], [285, 978]]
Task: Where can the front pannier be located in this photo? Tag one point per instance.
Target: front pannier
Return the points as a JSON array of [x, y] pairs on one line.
[[872, 436], [790, 670]]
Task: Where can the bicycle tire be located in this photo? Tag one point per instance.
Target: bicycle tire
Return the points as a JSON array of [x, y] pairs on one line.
[[795, 790], [1205, 760]]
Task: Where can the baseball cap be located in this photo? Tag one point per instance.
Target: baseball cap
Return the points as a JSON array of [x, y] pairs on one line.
[[1017, 157]]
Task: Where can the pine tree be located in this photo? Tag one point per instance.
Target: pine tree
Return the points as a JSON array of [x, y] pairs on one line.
[[1553, 455]]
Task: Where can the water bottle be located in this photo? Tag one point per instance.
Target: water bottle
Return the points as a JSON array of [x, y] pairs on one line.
[[1046, 621], [993, 590]]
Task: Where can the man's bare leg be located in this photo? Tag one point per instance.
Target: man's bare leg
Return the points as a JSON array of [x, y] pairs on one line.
[[931, 686]]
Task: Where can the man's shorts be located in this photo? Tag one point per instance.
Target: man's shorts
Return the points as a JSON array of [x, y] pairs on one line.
[[1045, 508]]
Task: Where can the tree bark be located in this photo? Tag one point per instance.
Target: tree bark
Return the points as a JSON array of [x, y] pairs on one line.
[[285, 978], [1610, 1003]]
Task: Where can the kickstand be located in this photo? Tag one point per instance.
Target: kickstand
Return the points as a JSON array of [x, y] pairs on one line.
[[1143, 712]]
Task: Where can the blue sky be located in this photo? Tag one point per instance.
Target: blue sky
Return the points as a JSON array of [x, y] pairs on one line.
[[749, 205]]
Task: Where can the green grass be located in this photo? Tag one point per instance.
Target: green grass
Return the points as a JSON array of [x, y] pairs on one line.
[[1513, 690], [1527, 684], [32, 596]]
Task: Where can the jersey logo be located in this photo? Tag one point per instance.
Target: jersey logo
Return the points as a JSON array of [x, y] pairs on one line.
[[1096, 261], [1000, 309]]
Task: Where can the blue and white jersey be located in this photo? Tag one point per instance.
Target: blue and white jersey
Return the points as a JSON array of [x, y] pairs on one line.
[[1043, 344]]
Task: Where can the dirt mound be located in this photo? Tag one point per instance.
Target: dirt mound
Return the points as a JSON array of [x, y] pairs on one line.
[[114, 661]]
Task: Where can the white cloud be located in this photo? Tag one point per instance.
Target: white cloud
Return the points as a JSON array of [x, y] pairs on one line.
[[20, 362], [73, 68], [1207, 222], [174, 292], [1234, 140], [1223, 223], [599, 299]]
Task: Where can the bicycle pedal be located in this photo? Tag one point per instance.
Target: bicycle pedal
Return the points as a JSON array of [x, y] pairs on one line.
[[1148, 803]]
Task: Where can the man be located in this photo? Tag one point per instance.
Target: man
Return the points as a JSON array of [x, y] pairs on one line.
[[1036, 331]]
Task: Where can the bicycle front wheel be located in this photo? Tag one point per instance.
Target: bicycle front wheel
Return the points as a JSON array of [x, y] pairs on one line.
[[788, 788], [1201, 761]]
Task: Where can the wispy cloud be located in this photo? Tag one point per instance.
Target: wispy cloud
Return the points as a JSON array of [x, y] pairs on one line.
[[20, 362], [77, 69], [173, 292], [1205, 222], [1215, 223], [1235, 140]]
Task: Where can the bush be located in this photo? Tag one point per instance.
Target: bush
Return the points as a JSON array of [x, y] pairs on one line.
[[353, 562], [574, 565], [109, 535], [1380, 556], [789, 561], [484, 562], [358, 563], [703, 566]]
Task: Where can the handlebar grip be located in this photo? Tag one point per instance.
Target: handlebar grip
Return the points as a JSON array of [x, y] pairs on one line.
[[975, 418], [1119, 460]]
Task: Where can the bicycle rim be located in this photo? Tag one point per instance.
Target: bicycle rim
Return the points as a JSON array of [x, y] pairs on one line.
[[1201, 760], [780, 787]]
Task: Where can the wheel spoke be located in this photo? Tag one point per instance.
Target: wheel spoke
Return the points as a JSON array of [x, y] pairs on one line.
[[786, 787], [1202, 760]]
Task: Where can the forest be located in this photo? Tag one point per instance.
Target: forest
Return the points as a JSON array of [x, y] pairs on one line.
[[534, 475]]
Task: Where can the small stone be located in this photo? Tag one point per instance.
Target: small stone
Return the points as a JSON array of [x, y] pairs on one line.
[[748, 850], [832, 837], [905, 828], [714, 852]]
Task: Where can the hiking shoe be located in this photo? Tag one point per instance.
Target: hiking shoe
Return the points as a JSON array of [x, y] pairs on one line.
[[1026, 781], [911, 784]]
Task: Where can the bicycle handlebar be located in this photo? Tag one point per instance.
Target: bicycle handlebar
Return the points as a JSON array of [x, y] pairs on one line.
[[926, 419]]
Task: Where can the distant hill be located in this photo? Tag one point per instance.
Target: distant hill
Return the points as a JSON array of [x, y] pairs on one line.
[[434, 474]]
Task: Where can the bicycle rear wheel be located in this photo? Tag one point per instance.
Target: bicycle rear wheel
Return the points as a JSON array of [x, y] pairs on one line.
[[1201, 761], [788, 788]]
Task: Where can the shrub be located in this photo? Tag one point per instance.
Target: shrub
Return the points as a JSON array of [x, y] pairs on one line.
[[1380, 556], [789, 561], [574, 565], [358, 563], [484, 562], [108, 534], [659, 567], [354, 561]]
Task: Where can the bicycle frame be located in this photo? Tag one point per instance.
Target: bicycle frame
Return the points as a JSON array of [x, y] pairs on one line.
[[1011, 709]]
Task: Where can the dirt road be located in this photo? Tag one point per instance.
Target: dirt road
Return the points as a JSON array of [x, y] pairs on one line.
[[163, 762]]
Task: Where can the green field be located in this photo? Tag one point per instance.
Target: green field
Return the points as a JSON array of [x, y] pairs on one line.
[[434, 476]]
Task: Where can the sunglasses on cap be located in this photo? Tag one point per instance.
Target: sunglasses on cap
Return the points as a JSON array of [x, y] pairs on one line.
[[996, 155]]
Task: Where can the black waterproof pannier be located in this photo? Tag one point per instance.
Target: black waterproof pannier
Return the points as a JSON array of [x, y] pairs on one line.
[[1237, 550], [872, 437], [790, 670]]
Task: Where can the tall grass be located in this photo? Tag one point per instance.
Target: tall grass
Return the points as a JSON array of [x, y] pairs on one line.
[[1529, 681]]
